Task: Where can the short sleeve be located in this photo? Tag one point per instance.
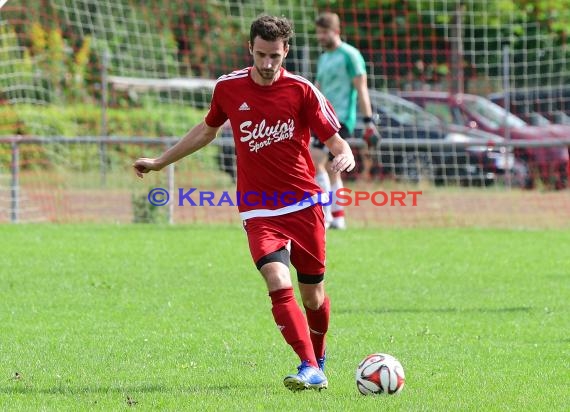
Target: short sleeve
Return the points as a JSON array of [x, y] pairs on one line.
[[355, 63], [320, 114], [216, 116]]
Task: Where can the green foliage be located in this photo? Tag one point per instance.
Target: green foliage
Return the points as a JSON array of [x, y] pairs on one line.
[[79, 68], [55, 63], [155, 54], [204, 33], [85, 120], [66, 40], [47, 68], [422, 27], [16, 70], [38, 39], [146, 212]]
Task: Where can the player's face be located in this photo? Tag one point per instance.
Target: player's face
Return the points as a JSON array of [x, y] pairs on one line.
[[326, 37], [268, 57]]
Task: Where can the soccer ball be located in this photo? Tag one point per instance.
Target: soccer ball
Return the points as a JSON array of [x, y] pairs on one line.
[[380, 373]]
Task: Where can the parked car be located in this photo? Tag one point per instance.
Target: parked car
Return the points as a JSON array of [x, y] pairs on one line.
[[550, 103], [521, 109], [551, 164], [479, 163]]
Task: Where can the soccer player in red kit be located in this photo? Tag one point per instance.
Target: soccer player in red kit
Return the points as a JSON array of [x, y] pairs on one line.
[[271, 112]]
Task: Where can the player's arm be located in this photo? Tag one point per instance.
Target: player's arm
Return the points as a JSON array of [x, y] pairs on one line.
[[360, 84], [357, 69], [343, 158], [196, 138]]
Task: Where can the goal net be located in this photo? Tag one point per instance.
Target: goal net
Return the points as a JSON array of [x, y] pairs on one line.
[[87, 86]]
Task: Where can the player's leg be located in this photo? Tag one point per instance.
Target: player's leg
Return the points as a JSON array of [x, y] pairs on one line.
[[291, 322], [270, 253], [317, 308], [320, 158], [286, 312], [337, 211], [300, 227], [308, 257]]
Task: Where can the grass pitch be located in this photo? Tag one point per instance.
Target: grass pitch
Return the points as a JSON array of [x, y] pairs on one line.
[[177, 318]]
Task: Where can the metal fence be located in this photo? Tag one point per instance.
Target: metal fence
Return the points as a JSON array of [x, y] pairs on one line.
[[29, 182]]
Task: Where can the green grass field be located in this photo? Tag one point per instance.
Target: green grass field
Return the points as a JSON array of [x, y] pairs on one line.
[[177, 318]]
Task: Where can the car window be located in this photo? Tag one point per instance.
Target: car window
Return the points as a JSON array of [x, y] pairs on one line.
[[440, 110], [536, 119], [493, 113], [403, 114], [400, 112]]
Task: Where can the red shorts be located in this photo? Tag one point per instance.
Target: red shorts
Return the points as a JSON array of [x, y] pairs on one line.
[[303, 231]]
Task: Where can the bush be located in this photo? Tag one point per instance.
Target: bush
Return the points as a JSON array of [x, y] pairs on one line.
[[146, 212], [85, 120]]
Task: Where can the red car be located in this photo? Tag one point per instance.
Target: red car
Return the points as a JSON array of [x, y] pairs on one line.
[[551, 164]]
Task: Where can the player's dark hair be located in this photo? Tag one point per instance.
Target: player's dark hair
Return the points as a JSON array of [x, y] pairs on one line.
[[271, 28], [328, 20]]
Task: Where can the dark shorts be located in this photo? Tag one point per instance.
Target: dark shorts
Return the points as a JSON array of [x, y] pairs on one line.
[[343, 132], [299, 236]]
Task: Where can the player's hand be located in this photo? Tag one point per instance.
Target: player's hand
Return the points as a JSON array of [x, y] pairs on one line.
[[343, 163], [145, 165], [371, 134]]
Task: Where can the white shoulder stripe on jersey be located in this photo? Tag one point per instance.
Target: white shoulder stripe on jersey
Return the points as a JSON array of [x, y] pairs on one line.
[[244, 70], [224, 78], [329, 114], [236, 73]]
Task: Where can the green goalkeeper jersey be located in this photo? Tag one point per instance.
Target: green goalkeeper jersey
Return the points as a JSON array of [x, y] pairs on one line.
[[335, 71]]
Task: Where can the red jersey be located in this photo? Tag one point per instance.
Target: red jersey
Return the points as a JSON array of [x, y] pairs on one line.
[[271, 127]]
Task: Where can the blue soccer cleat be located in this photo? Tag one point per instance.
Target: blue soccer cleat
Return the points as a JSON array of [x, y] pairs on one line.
[[321, 362], [307, 377]]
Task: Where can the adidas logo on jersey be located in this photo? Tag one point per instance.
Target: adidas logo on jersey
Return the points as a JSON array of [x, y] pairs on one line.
[[243, 107]]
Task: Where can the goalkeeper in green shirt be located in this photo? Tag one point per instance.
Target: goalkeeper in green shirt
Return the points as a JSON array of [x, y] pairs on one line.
[[341, 77]]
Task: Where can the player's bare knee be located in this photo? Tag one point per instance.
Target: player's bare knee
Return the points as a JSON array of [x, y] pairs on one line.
[[313, 301], [276, 276], [274, 268], [312, 294]]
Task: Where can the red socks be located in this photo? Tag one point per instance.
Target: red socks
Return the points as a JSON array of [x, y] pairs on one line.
[[291, 322], [318, 321]]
